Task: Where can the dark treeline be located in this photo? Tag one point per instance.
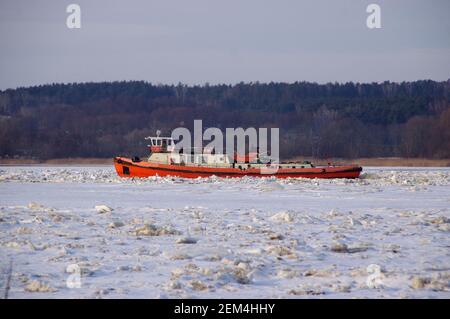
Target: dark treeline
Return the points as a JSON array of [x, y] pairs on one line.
[[410, 119]]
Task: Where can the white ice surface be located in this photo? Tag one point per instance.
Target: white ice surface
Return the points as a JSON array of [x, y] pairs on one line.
[[250, 238]]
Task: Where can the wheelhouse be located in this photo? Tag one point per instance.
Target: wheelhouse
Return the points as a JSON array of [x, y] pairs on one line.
[[160, 144]]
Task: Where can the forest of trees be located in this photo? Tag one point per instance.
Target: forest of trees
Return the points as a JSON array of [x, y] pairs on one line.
[[409, 119]]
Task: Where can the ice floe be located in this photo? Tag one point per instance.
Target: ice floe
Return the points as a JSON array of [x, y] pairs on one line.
[[384, 235]]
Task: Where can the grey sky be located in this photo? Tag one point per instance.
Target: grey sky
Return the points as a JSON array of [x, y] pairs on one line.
[[198, 41]]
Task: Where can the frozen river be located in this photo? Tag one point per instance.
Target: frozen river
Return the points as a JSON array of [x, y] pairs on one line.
[[384, 235]]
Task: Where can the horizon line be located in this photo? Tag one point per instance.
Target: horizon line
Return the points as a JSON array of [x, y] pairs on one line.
[[206, 84]]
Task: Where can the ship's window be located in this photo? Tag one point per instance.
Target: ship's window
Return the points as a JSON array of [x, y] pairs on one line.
[[125, 170], [158, 142], [169, 142], [154, 142]]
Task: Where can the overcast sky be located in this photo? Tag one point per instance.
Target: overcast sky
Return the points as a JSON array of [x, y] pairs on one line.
[[227, 41]]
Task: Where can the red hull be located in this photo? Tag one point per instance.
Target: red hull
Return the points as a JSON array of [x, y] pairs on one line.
[[125, 167]]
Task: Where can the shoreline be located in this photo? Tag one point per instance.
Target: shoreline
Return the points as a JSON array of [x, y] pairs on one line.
[[57, 161], [381, 161], [378, 161]]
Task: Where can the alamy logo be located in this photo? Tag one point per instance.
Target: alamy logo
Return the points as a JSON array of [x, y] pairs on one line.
[[241, 144], [375, 278], [74, 279], [74, 19], [374, 19]]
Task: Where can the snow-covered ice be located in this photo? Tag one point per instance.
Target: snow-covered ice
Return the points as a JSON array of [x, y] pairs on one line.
[[384, 235]]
